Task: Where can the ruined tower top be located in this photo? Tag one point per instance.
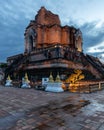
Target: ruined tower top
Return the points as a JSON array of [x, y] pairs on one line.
[[45, 17], [46, 31]]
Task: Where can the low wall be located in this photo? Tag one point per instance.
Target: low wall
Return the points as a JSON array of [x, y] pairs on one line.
[[86, 87]]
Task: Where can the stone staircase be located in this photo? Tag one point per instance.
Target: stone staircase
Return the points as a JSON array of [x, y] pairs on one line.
[[16, 65], [96, 64]]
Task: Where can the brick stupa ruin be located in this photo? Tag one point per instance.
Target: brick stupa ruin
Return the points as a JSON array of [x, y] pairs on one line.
[[50, 47]]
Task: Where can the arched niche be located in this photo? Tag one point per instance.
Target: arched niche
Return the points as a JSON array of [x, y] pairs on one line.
[[30, 40], [78, 40], [79, 44]]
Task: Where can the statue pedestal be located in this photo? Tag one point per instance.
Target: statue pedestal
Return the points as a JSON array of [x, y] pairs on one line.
[[25, 85], [54, 87], [8, 83]]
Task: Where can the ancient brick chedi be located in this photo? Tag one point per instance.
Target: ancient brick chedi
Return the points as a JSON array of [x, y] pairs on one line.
[[46, 30], [50, 47]]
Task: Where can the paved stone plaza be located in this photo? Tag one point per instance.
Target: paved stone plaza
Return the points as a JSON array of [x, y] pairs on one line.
[[30, 109]]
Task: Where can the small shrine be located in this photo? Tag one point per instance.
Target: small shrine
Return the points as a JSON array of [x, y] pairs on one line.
[[25, 82], [54, 86], [8, 82]]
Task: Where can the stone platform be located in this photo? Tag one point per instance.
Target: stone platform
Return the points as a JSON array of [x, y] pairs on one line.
[[54, 87], [30, 109]]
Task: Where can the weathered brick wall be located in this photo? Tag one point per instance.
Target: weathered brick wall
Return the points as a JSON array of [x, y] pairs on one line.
[[49, 31]]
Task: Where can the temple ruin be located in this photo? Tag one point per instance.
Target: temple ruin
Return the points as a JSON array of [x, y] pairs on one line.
[[51, 47]]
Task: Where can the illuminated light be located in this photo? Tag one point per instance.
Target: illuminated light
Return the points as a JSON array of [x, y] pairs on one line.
[[51, 78], [26, 78], [58, 78], [8, 78], [76, 76]]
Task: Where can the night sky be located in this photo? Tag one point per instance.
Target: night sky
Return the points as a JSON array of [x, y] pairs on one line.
[[15, 15]]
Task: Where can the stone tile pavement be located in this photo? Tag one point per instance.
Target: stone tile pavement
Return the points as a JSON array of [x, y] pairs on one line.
[[30, 109]]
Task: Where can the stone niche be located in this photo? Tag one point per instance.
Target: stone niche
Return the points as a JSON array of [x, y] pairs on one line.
[[46, 30]]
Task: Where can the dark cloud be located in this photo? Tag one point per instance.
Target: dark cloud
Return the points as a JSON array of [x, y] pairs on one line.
[[93, 37], [14, 17], [11, 40], [91, 34]]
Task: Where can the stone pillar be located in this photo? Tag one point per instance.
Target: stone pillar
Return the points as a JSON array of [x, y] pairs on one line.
[[65, 36]]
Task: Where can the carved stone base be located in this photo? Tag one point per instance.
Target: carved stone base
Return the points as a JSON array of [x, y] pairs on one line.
[[25, 85], [8, 83], [54, 87]]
